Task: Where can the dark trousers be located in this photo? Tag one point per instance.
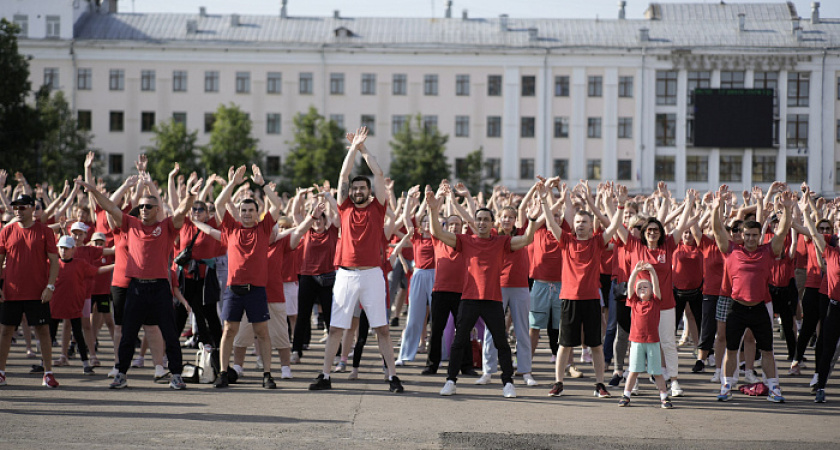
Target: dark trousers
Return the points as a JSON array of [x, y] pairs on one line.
[[812, 313], [708, 323], [694, 300], [494, 319], [310, 293], [829, 334], [784, 304], [609, 302], [553, 334], [78, 335], [206, 316], [149, 302], [443, 304]]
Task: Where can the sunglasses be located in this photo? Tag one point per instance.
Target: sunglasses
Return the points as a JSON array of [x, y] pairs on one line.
[[198, 210], [736, 230], [638, 227], [147, 206]]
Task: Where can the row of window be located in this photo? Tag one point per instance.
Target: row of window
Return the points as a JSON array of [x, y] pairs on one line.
[[560, 168], [53, 25], [798, 87], [796, 131], [731, 168]]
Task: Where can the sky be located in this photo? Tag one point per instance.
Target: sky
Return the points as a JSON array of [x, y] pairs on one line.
[[569, 9]]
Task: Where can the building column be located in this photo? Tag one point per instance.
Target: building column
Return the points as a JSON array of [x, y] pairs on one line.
[[609, 163], [510, 128], [577, 125]]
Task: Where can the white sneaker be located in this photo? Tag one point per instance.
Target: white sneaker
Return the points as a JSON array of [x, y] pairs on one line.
[[114, 371], [239, 370], [509, 391], [635, 390], [710, 361], [750, 377], [448, 388], [814, 380], [529, 380], [716, 377], [286, 372], [160, 372], [259, 364], [484, 379], [676, 391], [295, 358], [399, 363], [586, 357], [553, 359], [138, 362]]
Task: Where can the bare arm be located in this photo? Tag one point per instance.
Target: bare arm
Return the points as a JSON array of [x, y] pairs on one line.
[[113, 211], [207, 229], [235, 178], [181, 212], [721, 235], [433, 205]]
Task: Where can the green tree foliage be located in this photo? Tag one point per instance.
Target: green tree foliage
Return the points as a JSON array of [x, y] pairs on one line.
[[173, 143], [231, 143], [64, 146], [418, 156], [316, 152], [471, 171]]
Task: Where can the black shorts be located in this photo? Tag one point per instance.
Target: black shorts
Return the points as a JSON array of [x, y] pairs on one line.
[[756, 318], [37, 312], [577, 315], [102, 302]]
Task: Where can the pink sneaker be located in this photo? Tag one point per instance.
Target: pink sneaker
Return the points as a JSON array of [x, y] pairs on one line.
[[2, 379], [49, 381]]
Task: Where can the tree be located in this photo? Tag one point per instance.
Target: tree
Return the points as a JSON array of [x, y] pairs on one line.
[[173, 143], [317, 151], [64, 145], [418, 156], [231, 143], [471, 171]]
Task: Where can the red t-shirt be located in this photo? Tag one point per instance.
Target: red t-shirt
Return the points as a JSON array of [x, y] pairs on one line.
[[205, 247], [423, 251], [291, 265], [247, 250], [581, 267], [662, 260], [71, 287], [515, 268], [149, 247], [832, 273], [90, 255], [782, 270], [450, 270], [362, 232], [27, 268], [750, 272], [688, 267], [102, 226], [800, 261], [317, 251], [279, 254], [814, 274], [644, 326], [102, 285], [119, 279], [547, 257], [484, 259], [712, 266]]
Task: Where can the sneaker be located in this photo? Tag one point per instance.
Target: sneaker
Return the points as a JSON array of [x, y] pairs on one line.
[[160, 373], [341, 367], [556, 389], [814, 380], [2, 379], [428, 371], [88, 371], [399, 363], [699, 367], [95, 362], [354, 374], [285, 373], [222, 381], [509, 391], [295, 358], [676, 390], [529, 379], [795, 370], [119, 382], [61, 361], [716, 377], [36, 368], [395, 386], [448, 388], [240, 372], [710, 361], [820, 398], [113, 372], [395, 322], [666, 404], [324, 337], [259, 366], [635, 391], [321, 383], [177, 383], [751, 377], [775, 396], [268, 382], [625, 401], [30, 354], [615, 381], [725, 393], [484, 379], [138, 362], [586, 356], [553, 359], [573, 372], [49, 381], [601, 391]]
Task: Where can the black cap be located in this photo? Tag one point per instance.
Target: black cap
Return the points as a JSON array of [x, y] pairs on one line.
[[24, 199]]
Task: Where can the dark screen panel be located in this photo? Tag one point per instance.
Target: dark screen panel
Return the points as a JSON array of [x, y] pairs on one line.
[[733, 118]]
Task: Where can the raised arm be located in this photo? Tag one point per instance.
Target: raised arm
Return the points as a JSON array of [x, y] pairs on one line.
[[616, 224], [235, 178], [268, 189], [433, 207], [193, 187], [683, 223], [519, 242], [379, 189], [721, 235], [172, 187], [210, 231], [110, 207]]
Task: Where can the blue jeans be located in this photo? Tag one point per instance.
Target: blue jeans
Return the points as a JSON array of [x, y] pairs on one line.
[[419, 298]]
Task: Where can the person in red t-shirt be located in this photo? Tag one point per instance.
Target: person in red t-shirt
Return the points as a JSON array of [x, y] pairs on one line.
[[29, 268]]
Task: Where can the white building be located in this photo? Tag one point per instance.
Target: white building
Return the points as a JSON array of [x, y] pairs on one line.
[[596, 99]]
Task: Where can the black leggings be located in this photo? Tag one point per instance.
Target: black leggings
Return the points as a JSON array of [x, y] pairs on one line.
[[829, 336], [694, 299], [443, 304], [708, 323], [310, 293], [494, 319], [813, 310], [206, 316], [784, 304], [78, 335]]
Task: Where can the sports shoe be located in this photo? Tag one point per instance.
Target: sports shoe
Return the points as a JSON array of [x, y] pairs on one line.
[[395, 386], [529, 379], [2, 379], [222, 381], [716, 377], [710, 361], [814, 380], [259, 365], [775, 396], [553, 359], [160, 373], [615, 381], [556, 389], [820, 398], [295, 358], [395, 322], [666, 404], [113, 372], [354, 374], [625, 401], [484, 379], [340, 367], [95, 362], [586, 356], [31, 355], [61, 361], [601, 391], [509, 391], [177, 382], [285, 373], [635, 391], [725, 393], [573, 372], [428, 371], [399, 363], [36, 368], [699, 367], [119, 382], [138, 362], [49, 381], [321, 383], [795, 370], [676, 390], [88, 370], [268, 382], [448, 388]]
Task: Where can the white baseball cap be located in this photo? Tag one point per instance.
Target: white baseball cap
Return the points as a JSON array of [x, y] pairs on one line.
[[79, 226], [67, 241]]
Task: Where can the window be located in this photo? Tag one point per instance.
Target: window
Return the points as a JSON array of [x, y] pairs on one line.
[[732, 80], [430, 123], [837, 131], [336, 84], [116, 80], [561, 86], [768, 80], [836, 168], [494, 126], [272, 166], [180, 117], [398, 123], [274, 85], [399, 84], [764, 168], [666, 87], [689, 131], [730, 168], [561, 127], [462, 85], [115, 121], [796, 168], [664, 168], [147, 121], [22, 21], [53, 27], [211, 81], [83, 119], [561, 168], [338, 119], [462, 126], [797, 131], [697, 80], [179, 81], [697, 168], [526, 129], [272, 123], [593, 127], [209, 121], [625, 127], [115, 163], [625, 87], [51, 78], [493, 168], [368, 84], [799, 84], [666, 130], [494, 85], [593, 169], [526, 168], [243, 82], [84, 79], [529, 86], [305, 84], [430, 85], [595, 86], [147, 80], [625, 169], [369, 121]]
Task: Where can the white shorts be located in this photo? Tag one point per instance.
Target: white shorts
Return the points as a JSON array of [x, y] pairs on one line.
[[278, 329], [353, 287], [290, 291]]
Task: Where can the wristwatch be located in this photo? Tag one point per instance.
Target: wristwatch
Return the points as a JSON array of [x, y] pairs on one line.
[[51, 287]]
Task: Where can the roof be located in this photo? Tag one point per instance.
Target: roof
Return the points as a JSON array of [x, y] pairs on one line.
[[670, 25]]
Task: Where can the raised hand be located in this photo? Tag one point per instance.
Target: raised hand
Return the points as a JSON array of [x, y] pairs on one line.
[[196, 187], [175, 170], [257, 174], [89, 159], [3, 175], [359, 138], [141, 163], [389, 184], [432, 201], [622, 194], [237, 176], [787, 199]]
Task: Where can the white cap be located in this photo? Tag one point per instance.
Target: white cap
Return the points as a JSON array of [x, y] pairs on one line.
[[98, 237], [79, 226], [67, 241]]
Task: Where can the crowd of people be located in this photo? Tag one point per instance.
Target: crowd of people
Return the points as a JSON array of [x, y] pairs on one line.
[[619, 276]]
